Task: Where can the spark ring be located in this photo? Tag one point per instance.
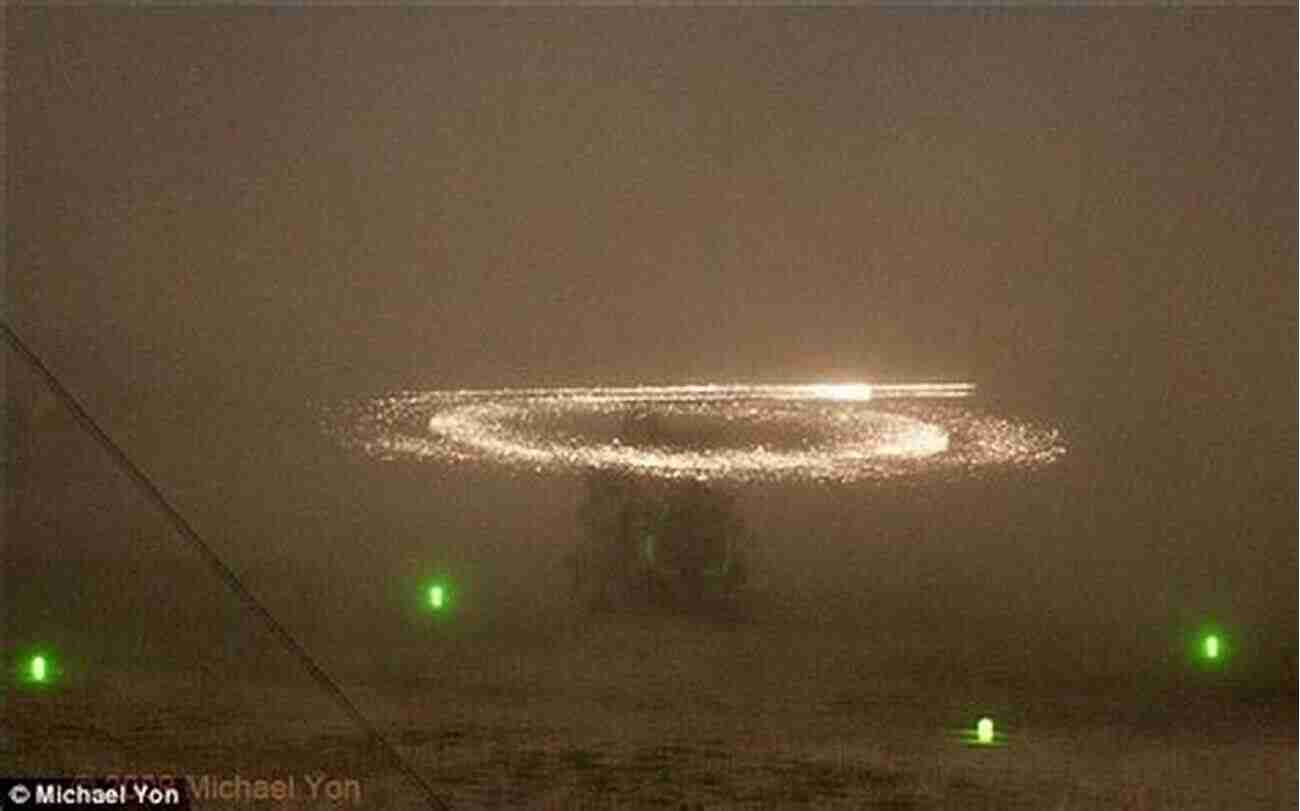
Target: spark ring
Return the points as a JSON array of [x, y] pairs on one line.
[[841, 432]]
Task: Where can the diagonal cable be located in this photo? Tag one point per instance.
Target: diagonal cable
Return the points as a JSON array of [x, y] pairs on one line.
[[223, 571]]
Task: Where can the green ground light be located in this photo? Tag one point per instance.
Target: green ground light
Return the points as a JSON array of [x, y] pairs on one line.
[[983, 734], [38, 670], [437, 597], [1212, 647]]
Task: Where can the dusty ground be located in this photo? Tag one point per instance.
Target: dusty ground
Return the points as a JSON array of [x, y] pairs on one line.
[[564, 710]]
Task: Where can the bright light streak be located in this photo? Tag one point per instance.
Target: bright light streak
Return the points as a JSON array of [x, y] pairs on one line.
[[841, 391], [39, 669], [437, 597], [1212, 647], [984, 730]]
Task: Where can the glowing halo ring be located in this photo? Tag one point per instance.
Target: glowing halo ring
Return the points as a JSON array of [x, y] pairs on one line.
[[872, 430]]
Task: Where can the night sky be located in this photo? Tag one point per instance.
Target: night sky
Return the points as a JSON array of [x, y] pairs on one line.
[[220, 220]]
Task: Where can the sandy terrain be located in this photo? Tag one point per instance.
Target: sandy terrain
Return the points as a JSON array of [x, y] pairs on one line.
[[579, 711]]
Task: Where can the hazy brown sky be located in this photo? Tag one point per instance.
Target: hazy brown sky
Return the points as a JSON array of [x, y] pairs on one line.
[[214, 208]]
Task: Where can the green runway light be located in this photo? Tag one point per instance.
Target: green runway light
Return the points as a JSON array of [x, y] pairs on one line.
[[437, 597], [39, 669], [984, 730], [1211, 647]]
